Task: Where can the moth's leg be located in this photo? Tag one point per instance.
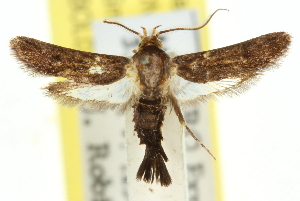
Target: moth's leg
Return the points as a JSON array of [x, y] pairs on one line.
[[183, 123]]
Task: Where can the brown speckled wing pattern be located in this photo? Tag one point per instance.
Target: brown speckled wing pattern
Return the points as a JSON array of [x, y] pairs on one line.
[[45, 59]]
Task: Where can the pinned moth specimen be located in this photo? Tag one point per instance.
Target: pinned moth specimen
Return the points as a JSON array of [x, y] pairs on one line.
[[150, 81]]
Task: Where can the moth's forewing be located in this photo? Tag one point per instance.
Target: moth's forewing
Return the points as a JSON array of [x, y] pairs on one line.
[[241, 60], [45, 59], [230, 69]]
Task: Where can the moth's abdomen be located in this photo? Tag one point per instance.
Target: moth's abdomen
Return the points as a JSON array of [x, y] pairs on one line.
[[148, 119]]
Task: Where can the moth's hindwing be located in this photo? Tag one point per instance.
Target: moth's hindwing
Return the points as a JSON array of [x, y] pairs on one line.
[[117, 95]]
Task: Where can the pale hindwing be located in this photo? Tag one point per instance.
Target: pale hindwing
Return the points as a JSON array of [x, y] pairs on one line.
[[116, 95], [187, 92], [118, 92]]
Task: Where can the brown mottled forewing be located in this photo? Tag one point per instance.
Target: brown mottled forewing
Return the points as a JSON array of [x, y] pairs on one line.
[[40, 58], [244, 60]]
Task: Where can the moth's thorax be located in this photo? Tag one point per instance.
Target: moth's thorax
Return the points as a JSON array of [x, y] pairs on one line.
[[153, 66]]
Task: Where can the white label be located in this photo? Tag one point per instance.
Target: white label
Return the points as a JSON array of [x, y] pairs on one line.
[[102, 134]]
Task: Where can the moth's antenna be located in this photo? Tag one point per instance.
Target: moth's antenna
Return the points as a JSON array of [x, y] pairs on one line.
[[117, 23], [195, 28]]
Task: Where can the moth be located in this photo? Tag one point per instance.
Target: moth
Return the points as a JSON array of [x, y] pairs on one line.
[[150, 81]]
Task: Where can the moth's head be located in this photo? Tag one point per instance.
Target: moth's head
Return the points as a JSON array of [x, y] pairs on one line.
[[149, 40]]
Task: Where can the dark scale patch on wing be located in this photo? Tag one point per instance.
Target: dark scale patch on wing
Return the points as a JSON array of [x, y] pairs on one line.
[[44, 59], [243, 60]]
